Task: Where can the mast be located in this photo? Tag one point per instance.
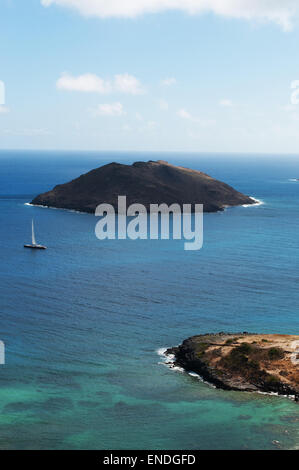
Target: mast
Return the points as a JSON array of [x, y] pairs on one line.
[[33, 235]]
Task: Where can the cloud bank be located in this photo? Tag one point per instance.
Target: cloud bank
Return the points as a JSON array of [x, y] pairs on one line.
[[226, 103], [168, 81], [184, 114], [109, 109], [281, 12], [90, 83]]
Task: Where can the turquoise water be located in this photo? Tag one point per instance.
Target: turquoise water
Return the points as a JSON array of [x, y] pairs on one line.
[[83, 321]]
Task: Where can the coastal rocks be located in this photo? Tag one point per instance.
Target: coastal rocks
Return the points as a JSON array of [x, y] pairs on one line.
[[242, 361]]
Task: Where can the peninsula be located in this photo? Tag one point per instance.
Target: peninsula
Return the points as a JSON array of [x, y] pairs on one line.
[[153, 182], [243, 361]]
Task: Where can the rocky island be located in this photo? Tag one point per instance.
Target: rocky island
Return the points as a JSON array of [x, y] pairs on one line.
[[146, 183], [243, 361]]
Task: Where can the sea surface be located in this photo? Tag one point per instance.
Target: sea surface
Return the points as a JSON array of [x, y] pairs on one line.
[[83, 322]]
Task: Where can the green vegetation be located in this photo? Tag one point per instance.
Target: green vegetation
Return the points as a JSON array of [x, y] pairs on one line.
[[246, 360], [238, 361], [229, 341], [201, 349], [271, 379], [275, 354], [245, 348]]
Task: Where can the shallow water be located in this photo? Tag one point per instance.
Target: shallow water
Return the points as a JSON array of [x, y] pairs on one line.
[[83, 321]]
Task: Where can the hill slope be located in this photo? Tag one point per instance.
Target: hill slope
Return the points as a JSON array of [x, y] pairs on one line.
[[145, 183]]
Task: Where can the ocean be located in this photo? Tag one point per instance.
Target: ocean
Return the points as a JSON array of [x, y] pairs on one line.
[[83, 322]]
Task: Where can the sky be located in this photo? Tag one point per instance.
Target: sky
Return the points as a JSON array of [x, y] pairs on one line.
[[150, 75]]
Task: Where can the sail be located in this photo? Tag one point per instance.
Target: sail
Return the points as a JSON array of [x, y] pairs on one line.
[[33, 235]]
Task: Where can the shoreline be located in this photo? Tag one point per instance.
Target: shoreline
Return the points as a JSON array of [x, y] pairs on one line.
[[56, 208], [239, 362], [258, 202], [170, 363], [168, 360]]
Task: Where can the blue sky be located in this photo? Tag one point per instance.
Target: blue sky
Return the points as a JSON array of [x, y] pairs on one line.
[[139, 75]]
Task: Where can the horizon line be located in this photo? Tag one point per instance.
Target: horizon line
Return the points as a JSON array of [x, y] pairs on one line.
[[193, 152]]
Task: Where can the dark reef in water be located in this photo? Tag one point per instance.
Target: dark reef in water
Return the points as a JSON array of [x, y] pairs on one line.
[[144, 183]]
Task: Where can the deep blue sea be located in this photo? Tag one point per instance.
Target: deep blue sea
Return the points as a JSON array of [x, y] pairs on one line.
[[82, 322]]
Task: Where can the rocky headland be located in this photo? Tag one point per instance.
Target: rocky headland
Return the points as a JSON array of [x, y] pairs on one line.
[[243, 361]]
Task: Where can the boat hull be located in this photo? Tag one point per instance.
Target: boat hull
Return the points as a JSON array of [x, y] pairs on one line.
[[35, 247]]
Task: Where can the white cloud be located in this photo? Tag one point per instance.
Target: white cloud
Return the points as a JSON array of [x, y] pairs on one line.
[[226, 103], [163, 105], [168, 81], [281, 12], [139, 116], [109, 109], [184, 114], [38, 132], [128, 84], [87, 83], [149, 126], [4, 109], [91, 83]]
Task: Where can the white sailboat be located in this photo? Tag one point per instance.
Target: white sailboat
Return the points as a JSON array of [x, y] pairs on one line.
[[34, 245]]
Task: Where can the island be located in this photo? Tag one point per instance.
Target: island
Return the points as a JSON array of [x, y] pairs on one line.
[[153, 182], [243, 361]]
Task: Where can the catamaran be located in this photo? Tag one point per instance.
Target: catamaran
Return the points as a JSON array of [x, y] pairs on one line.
[[34, 245]]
